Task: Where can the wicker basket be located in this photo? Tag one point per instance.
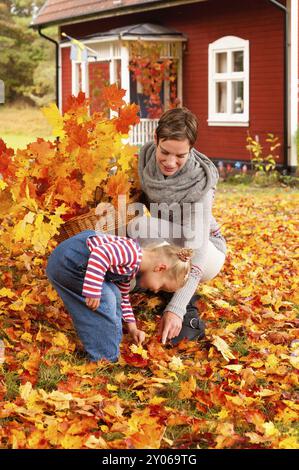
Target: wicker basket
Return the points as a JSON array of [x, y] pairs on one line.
[[89, 221]]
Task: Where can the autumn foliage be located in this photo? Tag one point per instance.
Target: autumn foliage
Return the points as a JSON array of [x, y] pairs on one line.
[[150, 69], [237, 388], [50, 182]]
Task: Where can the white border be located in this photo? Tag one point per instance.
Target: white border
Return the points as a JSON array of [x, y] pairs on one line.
[[292, 6]]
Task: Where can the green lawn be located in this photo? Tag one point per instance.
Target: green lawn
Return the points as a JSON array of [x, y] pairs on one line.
[[20, 125]]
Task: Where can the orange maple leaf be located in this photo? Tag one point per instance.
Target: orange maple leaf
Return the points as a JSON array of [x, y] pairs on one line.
[[74, 103], [127, 117], [117, 185], [113, 96], [7, 167]]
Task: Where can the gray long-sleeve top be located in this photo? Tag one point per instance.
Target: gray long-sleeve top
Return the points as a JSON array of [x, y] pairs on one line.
[[209, 230]]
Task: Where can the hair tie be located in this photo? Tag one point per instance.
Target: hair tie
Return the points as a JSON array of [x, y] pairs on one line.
[[185, 254]]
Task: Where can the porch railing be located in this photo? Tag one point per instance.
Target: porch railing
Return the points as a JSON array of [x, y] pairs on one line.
[[143, 132]]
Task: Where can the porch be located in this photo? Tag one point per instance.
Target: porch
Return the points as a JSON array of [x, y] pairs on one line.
[[108, 62]]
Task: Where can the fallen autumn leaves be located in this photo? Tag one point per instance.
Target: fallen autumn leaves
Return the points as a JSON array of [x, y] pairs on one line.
[[235, 389]]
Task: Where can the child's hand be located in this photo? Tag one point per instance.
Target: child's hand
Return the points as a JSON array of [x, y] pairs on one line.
[[92, 303], [138, 336]]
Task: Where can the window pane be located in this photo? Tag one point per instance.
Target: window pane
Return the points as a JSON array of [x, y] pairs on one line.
[[221, 62], [221, 94], [238, 97], [238, 61]]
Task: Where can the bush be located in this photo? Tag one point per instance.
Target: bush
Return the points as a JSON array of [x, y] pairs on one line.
[[239, 178], [288, 180], [263, 178]]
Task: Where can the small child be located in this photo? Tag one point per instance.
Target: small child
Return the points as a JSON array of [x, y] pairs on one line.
[[91, 272]]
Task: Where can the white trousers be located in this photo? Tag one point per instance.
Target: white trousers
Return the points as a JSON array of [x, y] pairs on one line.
[[214, 262]]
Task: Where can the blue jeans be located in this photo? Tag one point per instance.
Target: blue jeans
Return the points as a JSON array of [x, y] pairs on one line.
[[100, 330]]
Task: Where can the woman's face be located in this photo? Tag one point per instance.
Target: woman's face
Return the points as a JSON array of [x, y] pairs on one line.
[[172, 155]]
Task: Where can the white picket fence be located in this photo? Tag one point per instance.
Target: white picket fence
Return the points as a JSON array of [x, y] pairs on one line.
[[143, 132]]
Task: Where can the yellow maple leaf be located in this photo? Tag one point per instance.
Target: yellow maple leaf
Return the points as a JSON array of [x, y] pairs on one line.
[[176, 363], [126, 156], [156, 400], [27, 337], [32, 363], [114, 408], [18, 438], [72, 442], [257, 364], [54, 118], [112, 388], [290, 442], [270, 429], [52, 434], [222, 347], [221, 303], [187, 388], [294, 361], [291, 404], [34, 439], [3, 185], [60, 400], [272, 361], [139, 350], [223, 414], [4, 292], [60, 339], [96, 442], [235, 367], [25, 390], [232, 327]]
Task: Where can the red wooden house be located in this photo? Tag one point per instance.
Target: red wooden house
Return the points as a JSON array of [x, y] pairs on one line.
[[237, 64]]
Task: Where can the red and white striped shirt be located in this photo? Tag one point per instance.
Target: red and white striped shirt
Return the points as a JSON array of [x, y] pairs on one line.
[[119, 255]]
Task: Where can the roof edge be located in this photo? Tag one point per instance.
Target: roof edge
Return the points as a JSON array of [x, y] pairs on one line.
[[120, 11]]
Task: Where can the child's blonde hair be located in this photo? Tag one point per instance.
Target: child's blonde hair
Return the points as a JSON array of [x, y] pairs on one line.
[[179, 260]]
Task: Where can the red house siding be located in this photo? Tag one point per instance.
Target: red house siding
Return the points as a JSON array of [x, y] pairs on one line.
[[255, 20], [98, 77], [66, 75]]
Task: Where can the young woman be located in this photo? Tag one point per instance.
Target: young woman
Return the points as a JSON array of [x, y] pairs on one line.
[[178, 179]]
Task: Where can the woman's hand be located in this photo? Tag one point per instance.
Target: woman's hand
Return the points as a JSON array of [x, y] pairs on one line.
[[92, 303], [138, 336], [170, 326]]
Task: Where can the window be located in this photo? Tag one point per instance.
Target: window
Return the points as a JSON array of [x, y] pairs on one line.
[[229, 82]]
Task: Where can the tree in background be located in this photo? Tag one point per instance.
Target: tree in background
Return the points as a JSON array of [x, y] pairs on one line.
[[27, 62]]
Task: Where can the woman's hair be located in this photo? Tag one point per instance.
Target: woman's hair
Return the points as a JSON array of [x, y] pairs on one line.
[[177, 124], [178, 257]]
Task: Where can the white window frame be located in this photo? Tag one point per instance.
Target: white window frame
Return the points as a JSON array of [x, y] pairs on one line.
[[228, 44], [84, 78]]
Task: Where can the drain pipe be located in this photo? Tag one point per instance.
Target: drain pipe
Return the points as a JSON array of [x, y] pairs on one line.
[[56, 62], [286, 81]]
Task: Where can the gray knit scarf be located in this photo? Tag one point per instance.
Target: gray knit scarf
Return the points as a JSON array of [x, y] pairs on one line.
[[189, 184]]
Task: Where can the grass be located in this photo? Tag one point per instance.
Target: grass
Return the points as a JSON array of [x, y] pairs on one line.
[[12, 383], [22, 124], [225, 187], [49, 377]]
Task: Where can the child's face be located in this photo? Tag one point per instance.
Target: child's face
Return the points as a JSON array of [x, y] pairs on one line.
[[157, 281]]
